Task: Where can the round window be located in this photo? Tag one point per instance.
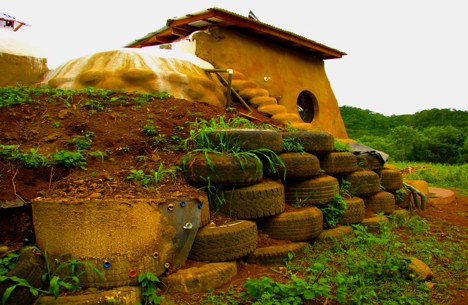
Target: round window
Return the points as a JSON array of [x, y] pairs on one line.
[[307, 106]]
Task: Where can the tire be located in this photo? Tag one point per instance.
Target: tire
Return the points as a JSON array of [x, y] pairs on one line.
[[249, 139], [301, 224], [372, 224], [391, 180], [363, 183], [225, 169], [355, 211], [136, 235], [369, 161], [224, 243], [382, 202], [199, 279], [259, 200], [273, 255], [317, 190], [121, 295], [318, 143], [338, 163], [406, 199], [29, 267], [336, 233], [205, 215], [297, 166]]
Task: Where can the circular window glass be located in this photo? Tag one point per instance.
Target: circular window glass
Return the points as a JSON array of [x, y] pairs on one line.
[[307, 106]]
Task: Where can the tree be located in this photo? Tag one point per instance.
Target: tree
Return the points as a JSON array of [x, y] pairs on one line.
[[445, 144], [406, 141]]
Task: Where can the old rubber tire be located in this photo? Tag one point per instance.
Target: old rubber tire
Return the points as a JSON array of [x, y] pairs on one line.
[[259, 200], [297, 166], [221, 169], [355, 211], [224, 243], [390, 179], [29, 267], [199, 279], [317, 190], [382, 202], [314, 142], [276, 254], [338, 163], [363, 183], [369, 161], [336, 233], [205, 215], [372, 224], [300, 224], [249, 139]]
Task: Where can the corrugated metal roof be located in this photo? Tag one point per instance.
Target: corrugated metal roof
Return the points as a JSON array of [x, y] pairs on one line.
[[181, 27]]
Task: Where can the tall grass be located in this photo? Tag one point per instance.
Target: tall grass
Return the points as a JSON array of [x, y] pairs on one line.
[[438, 175]]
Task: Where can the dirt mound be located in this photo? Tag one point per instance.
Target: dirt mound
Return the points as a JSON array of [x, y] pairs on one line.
[[124, 135]]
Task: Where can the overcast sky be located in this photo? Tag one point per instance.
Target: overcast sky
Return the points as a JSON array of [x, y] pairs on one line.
[[403, 56]]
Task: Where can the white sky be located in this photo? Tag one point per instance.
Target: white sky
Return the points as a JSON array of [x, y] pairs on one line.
[[403, 56]]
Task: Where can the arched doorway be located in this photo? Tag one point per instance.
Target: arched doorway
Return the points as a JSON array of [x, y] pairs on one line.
[[307, 106]]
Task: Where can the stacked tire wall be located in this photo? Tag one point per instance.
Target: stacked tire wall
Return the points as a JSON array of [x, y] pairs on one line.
[[282, 200]]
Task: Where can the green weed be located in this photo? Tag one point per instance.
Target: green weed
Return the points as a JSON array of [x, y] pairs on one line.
[[20, 282], [67, 158], [59, 276], [32, 160], [293, 145], [341, 146], [149, 129], [7, 262], [440, 175], [98, 154], [333, 210], [154, 177], [84, 141], [148, 282]]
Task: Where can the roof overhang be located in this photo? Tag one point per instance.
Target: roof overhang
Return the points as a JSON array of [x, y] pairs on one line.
[[181, 27]]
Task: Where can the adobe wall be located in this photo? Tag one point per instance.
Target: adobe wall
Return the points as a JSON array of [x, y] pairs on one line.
[[284, 73], [24, 70]]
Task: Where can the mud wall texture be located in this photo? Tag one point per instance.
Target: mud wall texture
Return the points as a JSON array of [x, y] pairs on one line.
[[130, 70], [24, 70], [285, 73]]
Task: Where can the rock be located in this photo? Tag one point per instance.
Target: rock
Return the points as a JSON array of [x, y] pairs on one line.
[[52, 137], [95, 195], [64, 113], [419, 270]]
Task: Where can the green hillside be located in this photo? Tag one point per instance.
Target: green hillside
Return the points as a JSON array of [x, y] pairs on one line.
[[435, 135]]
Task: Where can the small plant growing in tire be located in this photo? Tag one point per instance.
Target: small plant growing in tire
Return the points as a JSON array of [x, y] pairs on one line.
[[148, 283]]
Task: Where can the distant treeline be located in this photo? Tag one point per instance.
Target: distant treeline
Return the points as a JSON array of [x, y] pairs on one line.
[[435, 135]]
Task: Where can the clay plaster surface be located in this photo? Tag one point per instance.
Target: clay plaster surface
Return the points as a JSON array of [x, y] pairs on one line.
[[283, 72]]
